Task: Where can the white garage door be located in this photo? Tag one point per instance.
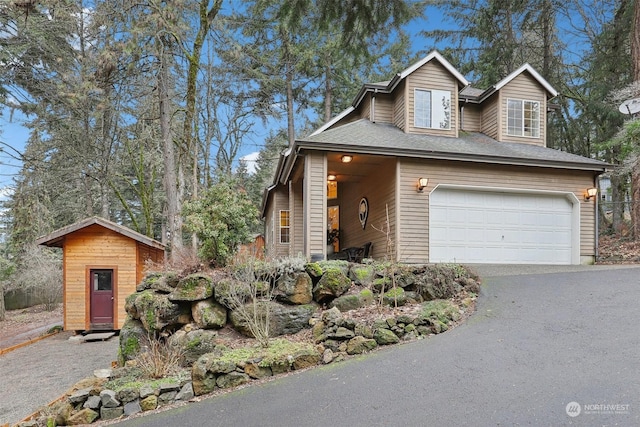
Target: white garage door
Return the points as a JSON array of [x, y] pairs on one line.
[[471, 226]]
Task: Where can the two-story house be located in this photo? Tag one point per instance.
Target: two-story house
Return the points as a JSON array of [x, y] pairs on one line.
[[443, 171]]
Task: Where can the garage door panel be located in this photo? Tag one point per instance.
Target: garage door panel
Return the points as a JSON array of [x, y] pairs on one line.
[[494, 227]]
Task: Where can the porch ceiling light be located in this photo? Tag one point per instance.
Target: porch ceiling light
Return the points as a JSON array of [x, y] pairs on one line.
[[346, 158], [590, 192], [331, 177], [422, 183]]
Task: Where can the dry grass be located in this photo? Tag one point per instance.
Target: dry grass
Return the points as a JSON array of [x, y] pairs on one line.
[[160, 360]]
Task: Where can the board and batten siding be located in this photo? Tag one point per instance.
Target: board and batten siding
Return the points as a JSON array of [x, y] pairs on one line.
[[96, 247], [432, 76], [399, 107], [379, 189], [315, 194], [526, 88], [413, 240]]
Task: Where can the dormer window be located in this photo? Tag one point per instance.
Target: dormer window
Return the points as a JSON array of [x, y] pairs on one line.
[[432, 109], [523, 118]]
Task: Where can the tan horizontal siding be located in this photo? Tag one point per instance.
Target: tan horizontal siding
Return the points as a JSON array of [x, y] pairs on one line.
[[431, 76], [297, 219], [489, 118], [414, 207], [471, 118], [399, 107], [527, 88], [316, 194], [383, 109], [365, 107], [379, 189]]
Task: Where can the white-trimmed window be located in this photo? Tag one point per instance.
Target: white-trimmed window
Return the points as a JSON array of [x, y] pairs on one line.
[[285, 227], [432, 109], [523, 118]]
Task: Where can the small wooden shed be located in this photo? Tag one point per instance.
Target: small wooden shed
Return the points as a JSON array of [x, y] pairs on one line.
[[102, 263]]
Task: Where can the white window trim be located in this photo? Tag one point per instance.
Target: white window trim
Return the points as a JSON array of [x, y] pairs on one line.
[[433, 124], [280, 226], [522, 101]]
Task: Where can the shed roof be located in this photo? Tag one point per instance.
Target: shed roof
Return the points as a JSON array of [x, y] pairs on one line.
[[56, 238]]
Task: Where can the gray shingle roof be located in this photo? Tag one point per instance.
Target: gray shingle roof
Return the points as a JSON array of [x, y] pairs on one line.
[[382, 138]]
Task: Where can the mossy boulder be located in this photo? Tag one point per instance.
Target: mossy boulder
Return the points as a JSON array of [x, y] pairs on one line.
[[229, 292], [209, 314], [385, 337], [156, 311], [283, 319], [362, 274], [294, 288], [333, 283], [84, 416], [359, 345], [195, 343], [159, 281], [131, 340], [395, 297], [353, 301], [194, 287], [206, 370], [441, 311]]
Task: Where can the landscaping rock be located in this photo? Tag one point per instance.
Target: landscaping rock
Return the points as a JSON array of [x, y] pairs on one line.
[[166, 398], [84, 416], [353, 301], [332, 284], [359, 345], [395, 297], [283, 319], [132, 408], [108, 399], [156, 311], [128, 394], [93, 402], [186, 392], [362, 274], [305, 358], [79, 396], [194, 287], [132, 336], [147, 390], [255, 371], [294, 288], [195, 343], [385, 337], [232, 379], [209, 314], [111, 413], [149, 403], [327, 356], [342, 334], [162, 282]]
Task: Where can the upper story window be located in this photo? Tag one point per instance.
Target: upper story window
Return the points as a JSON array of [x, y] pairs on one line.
[[432, 109], [285, 227], [523, 118]]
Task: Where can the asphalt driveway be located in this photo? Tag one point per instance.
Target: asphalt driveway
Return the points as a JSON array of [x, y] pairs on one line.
[[542, 349]]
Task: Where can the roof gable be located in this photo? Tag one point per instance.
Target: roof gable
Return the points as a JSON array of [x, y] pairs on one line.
[[433, 55], [56, 238], [528, 68]]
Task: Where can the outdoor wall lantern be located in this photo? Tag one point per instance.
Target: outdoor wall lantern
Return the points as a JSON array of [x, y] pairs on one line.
[[422, 182], [591, 192], [331, 177], [346, 158]]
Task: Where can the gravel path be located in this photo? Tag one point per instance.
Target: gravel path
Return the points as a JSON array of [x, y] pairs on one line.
[[33, 376]]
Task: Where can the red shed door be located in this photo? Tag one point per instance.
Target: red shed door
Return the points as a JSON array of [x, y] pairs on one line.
[[101, 299]]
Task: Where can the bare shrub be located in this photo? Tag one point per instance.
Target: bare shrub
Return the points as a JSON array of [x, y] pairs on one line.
[[158, 359], [251, 293], [390, 257], [40, 272]]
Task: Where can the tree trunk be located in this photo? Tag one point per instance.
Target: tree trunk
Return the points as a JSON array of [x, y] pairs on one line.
[[327, 91], [635, 41], [2, 308], [174, 219], [618, 192]]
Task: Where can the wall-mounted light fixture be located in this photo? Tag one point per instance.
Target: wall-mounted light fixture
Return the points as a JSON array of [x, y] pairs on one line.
[[422, 183], [590, 192], [331, 177], [346, 158]]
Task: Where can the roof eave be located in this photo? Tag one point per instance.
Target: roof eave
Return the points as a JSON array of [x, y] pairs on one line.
[[517, 161]]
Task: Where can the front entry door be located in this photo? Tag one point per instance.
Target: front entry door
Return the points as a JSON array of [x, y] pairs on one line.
[[101, 298]]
